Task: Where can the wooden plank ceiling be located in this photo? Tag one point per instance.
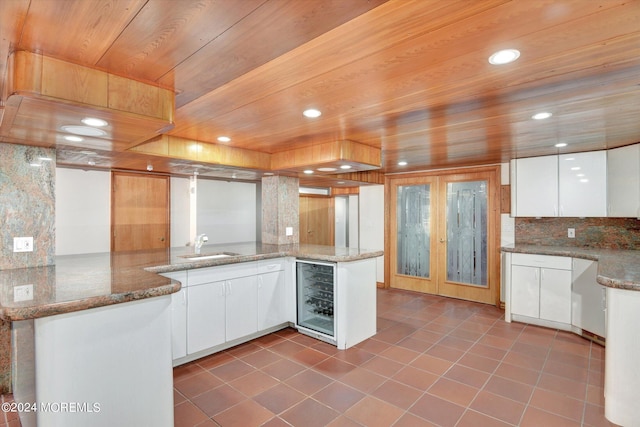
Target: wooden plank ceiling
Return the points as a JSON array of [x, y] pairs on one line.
[[408, 78]]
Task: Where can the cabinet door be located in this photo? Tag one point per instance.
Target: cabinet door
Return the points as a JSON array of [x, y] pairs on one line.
[[583, 184], [623, 182], [537, 187], [555, 295], [179, 323], [587, 298], [241, 307], [271, 304], [525, 291], [205, 316]]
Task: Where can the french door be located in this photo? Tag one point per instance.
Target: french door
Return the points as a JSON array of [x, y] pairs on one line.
[[444, 234]]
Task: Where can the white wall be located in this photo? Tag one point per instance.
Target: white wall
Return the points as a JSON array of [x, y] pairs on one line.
[[371, 222], [180, 212], [83, 212], [226, 211]]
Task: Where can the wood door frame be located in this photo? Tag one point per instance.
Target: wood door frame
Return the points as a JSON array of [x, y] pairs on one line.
[[115, 173], [493, 215]]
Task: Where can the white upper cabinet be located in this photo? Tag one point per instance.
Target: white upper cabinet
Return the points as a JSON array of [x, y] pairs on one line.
[[623, 182], [569, 185], [583, 184], [536, 186]]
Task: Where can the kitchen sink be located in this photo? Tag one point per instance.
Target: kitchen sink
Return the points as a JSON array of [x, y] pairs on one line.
[[198, 257]]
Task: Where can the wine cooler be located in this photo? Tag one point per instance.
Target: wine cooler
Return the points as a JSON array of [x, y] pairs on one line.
[[316, 302]]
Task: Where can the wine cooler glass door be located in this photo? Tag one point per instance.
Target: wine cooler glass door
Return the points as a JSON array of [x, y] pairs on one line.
[[316, 303]]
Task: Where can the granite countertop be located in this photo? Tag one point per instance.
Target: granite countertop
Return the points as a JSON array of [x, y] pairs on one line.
[[617, 268], [80, 282]]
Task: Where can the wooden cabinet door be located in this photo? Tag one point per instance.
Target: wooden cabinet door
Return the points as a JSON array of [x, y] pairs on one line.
[[317, 220], [139, 211]]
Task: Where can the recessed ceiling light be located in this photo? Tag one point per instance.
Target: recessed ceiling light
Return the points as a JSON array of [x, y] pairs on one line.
[[308, 171], [72, 138], [268, 174], [92, 121], [345, 167], [575, 168], [224, 139], [312, 113], [560, 144], [541, 116], [327, 169], [83, 130], [504, 56], [35, 165], [341, 182], [402, 163], [45, 159], [584, 180], [91, 163]]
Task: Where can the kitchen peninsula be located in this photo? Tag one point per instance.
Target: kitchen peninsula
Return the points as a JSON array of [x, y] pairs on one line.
[[95, 328], [618, 274]]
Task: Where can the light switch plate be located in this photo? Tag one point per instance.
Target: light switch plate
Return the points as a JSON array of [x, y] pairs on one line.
[[571, 233], [23, 293], [288, 231], [23, 244]]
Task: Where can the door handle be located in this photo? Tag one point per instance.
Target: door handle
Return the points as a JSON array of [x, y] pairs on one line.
[[441, 240]]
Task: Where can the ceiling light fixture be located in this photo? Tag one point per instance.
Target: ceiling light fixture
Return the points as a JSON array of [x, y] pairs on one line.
[[504, 56], [403, 163], [312, 113], [541, 116], [224, 139], [560, 144], [345, 167], [327, 169], [308, 171], [72, 138], [92, 121], [83, 130]]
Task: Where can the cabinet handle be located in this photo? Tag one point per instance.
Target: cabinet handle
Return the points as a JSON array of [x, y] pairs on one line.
[[228, 287], [259, 282]]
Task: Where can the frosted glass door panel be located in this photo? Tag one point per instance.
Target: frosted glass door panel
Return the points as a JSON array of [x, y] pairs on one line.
[[467, 232], [414, 230]]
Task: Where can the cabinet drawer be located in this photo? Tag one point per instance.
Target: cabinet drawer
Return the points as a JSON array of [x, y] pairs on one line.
[[269, 265], [224, 272], [543, 261]]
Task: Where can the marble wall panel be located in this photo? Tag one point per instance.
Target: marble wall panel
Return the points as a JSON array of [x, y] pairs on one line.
[[27, 209], [280, 207]]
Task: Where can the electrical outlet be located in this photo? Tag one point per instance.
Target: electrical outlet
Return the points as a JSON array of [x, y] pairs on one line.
[[23, 293], [288, 231], [571, 233], [23, 244]]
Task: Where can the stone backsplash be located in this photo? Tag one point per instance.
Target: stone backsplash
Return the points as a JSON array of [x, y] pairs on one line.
[[608, 233]]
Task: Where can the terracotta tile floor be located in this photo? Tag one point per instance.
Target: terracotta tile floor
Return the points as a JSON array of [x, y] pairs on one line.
[[434, 362]]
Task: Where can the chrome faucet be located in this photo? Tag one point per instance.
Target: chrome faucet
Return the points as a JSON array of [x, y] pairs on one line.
[[200, 240]]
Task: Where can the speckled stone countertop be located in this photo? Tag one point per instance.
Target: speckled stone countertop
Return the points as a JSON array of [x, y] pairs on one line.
[[616, 268], [80, 282]]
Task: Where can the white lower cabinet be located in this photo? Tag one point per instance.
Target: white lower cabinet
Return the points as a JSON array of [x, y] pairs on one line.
[[205, 316], [540, 290], [588, 298], [220, 306], [554, 291], [271, 294]]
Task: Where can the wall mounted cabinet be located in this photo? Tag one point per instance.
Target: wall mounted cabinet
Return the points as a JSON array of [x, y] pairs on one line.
[[567, 185], [623, 182]]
